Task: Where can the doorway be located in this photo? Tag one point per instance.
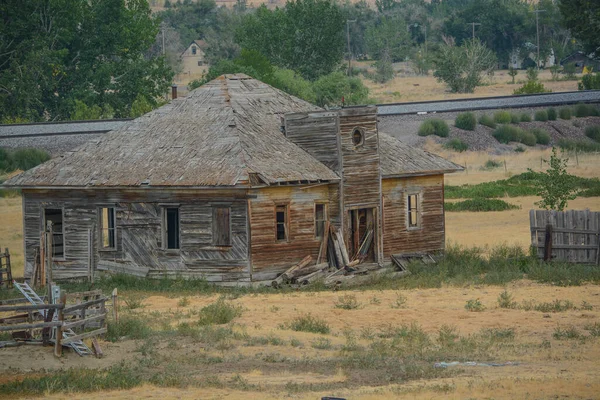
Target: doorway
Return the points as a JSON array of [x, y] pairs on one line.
[[361, 234]]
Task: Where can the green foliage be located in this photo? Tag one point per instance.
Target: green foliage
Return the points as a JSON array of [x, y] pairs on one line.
[[594, 329], [532, 87], [590, 82], [480, 205], [219, 313], [307, 323], [586, 110], [578, 145], [462, 68], [569, 333], [347, 302], [474, 305], [555, 306], [541, 115], [140, 106], [384, 71], [331, 89], [555, 186], [532, 74], [434, 126], [456, 144], [321, 343], [525, 117], [491, 164], [509, 133], [466, 121], [487, 121], [128, 327], [555, 72], [306, 36], [593, 132], [541, 136], [581, 18], [502, 117], [21, 159], [505, 300], [388, 39], [292, 83], [570, 69], [564, 113], [551, 114], [519, 149], [513, 72], [527, 138], [515, 118]]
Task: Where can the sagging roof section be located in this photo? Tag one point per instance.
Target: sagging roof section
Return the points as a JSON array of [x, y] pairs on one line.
[[221, 135]]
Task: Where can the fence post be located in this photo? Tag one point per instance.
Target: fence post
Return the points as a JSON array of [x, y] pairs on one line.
[[115, 305], [548, 243], [61, 318]]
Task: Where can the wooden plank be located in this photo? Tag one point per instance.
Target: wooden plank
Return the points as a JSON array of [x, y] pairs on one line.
[[84, 336], [568, 247], [565, 230], [123, 268], [81, 306], [71, 325], [31, 307], [22, 327]]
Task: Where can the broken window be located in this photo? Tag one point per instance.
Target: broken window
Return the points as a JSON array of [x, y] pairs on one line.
[[281, 218], [107, 223], [320, 218], [222, 226], [58, 242], [171, 228], [413, 211]]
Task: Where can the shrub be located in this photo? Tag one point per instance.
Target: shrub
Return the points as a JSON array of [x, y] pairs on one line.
[[505, 300], [568, 333], [525, 117], [528, 138], [590, 82], [219, 312], [474, 305], [502, 117], [307, 323], [466, 121], [593, 132], [564, 113], [593, 329], [321, 343], [480, 205], [531, 87], [128, 327], [551, 114], [515, 118], [520, 149], [434, 126], [22, 159], [347, 302], [578, 145], [488, 121], [491, 164], [456, 145], [541, 136], [541, 115], [507, 133], [585, 110], [532, 74]]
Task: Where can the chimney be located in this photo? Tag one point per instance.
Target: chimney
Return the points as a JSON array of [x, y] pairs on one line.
[[173, 92]]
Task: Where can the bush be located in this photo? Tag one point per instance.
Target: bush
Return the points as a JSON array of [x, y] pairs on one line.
[[531, 87], [488, 121], [515, 118], [480, 205], [541, 115], [434, 126], [520, 149], [541, 136], [564, 113], [528, 138], [466, 121], [219, 312], [307, 323], [22, 159], [578, 145], [551, 114], [456, 145], [474, 305], [127, 328], [347, 302], [507, 133], [525, 117], [593, 132], [585, 110], [502, 117], [491, 164], [590, 82]]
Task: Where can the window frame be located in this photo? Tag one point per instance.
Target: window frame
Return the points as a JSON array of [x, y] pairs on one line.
[[286, 222], [101, 227], [165, 227], [62, 233], [418, 212], [215, 207], [325, 217], [360, 131]]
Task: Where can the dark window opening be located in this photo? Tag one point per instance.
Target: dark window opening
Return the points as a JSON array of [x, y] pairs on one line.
[[172, 228], [222, 226], [194, 50], [58, 243], [107, 228], [281, 220], [413, 210], [200, 63], [320, 218], [357, 137]]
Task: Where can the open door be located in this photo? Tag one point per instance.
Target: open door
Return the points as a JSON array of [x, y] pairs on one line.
[[361, 234]]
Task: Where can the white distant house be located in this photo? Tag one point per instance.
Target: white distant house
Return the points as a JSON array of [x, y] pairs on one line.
[[518, 56], [193, 58]]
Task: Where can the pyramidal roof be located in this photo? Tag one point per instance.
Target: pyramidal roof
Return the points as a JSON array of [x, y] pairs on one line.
[[225, 133]]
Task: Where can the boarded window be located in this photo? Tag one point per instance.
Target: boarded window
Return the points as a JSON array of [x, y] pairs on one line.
[[222, 226], [107, 228], [171, 227], [281, 218], [320, 218], [58, 238], [413, 211]]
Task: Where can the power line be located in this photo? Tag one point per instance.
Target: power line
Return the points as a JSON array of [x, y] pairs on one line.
[[473, 26]]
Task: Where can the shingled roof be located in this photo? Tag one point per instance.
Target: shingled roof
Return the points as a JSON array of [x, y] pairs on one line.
[[225, 133]]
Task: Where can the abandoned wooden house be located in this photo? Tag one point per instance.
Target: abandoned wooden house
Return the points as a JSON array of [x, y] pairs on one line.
[[233, 183]]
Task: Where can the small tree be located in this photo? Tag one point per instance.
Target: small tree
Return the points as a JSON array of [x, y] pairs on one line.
[[513, 72], [555, 186]]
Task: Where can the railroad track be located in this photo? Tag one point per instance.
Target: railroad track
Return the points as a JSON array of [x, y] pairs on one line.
[[66, 128]]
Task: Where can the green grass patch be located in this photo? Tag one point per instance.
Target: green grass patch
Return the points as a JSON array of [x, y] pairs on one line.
[[541, 115], [474, 305], [564, 113], [593, 132], [219, 313], [491, 164], [128, 327], [541, 136], [583, 146], [515, 118], [456, 144], [21, 159], [307, 323], [525, 117], [488, 121], [347, 302], [480, 205], [466, 121], [585, 110], [570, 333], [434, 126], [508, 133], [502, 117]]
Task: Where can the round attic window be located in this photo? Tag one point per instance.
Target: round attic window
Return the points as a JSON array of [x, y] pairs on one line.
[[357, 137]]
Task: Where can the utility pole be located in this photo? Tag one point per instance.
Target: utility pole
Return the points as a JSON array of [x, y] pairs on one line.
[[349, 51], [537, 35], [473, 26], [162, 29]]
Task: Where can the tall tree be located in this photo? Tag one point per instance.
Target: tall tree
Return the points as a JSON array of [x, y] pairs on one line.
[[57, 51], [582, 17]]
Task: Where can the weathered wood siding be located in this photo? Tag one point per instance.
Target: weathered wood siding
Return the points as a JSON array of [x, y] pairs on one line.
[[139, 245], [430, 236], [271, 257]]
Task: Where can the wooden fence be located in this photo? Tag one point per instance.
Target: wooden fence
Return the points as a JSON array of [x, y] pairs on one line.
[[5, 269], [572, 235]]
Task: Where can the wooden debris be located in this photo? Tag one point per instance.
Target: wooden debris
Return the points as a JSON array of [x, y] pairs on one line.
[[285, 277], [97, 349]]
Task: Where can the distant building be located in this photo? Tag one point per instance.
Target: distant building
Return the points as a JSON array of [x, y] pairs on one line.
[[193, 58], [525, 58], [580, 59]]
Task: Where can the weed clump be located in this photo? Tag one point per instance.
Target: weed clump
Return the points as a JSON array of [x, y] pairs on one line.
[[505, 300], [502, 117], [585, 110], [434, 126], [474, 305], [347, 302], [564, 113], [541, 136], [128, 327], [466, 121], [551, 114], [515, 118], [569, 333], [456, 144], [491, 164], [480, 205], [525, 117], [488, 121], [541, 115], [219, 313], [307, 323], [578, 145], [593, 132]]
